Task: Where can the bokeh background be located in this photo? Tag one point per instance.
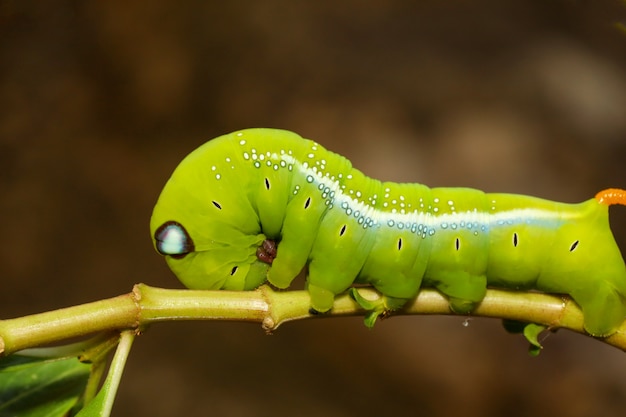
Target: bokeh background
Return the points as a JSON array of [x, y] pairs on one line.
[[100, 100]]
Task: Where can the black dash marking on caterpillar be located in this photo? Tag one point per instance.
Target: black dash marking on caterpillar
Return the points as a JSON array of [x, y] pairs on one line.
[[216, 204], [457, 244], [307, 203], [574, 246], [234, 270], [343, 230], [267, 184], [515, 241], [400, 244]]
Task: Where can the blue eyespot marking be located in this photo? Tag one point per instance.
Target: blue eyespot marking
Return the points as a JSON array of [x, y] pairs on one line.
[[172, 239]]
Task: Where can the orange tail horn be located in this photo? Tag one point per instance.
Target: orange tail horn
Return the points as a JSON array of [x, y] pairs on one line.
[[612, 196]]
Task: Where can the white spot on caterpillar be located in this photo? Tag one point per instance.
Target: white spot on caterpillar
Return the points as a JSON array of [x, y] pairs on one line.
[[246, 156], [218, 176]]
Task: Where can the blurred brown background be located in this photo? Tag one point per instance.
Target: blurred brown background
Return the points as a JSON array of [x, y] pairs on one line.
[[101, 100]]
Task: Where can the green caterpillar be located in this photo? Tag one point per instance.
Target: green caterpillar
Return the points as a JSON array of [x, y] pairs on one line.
[[229, 202]]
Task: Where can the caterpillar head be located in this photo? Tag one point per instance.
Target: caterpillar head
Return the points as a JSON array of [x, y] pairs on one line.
[[210, 265], [204, 225]]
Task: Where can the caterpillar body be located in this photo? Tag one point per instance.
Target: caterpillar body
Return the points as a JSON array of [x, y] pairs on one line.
[[228, 201]]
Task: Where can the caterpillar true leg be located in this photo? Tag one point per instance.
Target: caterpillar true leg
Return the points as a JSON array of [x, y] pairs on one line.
[[267, 251]]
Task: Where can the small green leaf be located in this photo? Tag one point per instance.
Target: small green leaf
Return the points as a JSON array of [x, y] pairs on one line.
[[376, 308], [365, 304], [531, 333], [102, 403], [35, 386]]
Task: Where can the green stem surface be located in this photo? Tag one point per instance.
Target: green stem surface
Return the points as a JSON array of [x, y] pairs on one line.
[[146, 305]]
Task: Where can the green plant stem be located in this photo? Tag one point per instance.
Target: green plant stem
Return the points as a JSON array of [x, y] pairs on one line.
[[146, 305]]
